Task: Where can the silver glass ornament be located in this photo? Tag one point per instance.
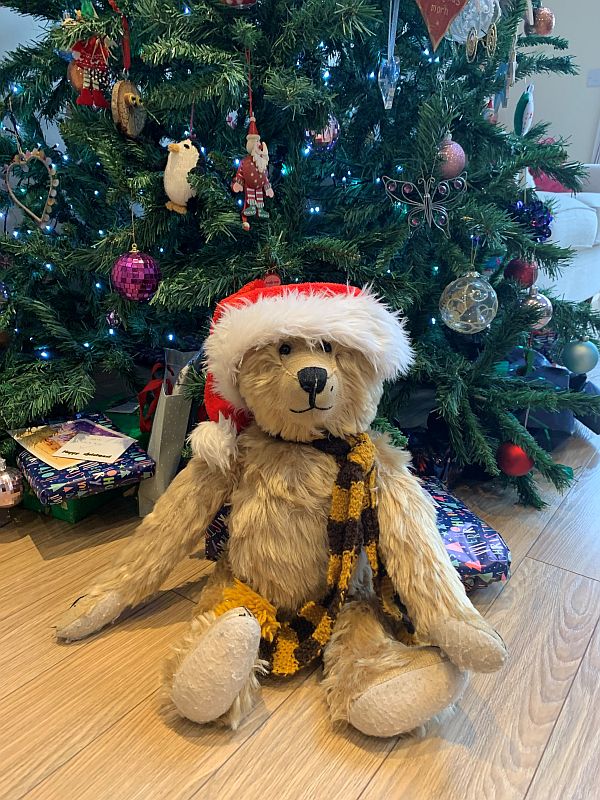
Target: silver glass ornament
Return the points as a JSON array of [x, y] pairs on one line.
[[541, 303], [580, 357], [469, 304], [475, 19], [388, 78], [11, 490]]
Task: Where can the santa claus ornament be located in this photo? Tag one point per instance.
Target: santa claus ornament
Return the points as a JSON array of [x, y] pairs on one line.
[[252, 176], [91, 57]]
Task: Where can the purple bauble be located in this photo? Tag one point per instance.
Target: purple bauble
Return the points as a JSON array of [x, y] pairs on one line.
[[135, 275]]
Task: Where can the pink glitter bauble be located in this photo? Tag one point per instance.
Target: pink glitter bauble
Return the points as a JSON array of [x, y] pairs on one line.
[[135, 275], [452, 159], [238, 3]]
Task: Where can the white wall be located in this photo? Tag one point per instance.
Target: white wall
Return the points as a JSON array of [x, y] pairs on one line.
[[566, 102], [15, 29]]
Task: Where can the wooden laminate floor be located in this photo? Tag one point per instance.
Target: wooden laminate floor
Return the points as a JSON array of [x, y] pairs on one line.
[[84, 721]]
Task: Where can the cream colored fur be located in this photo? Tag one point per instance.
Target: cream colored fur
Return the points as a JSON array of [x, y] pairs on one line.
[[279, 488]]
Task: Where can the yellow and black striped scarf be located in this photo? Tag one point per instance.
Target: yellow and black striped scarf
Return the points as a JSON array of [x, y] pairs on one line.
[[290, 645]]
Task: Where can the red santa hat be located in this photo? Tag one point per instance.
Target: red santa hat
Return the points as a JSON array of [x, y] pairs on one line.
[[252, 130], [265, 311]]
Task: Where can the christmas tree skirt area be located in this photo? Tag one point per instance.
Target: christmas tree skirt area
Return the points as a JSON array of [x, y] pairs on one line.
[[513, 735]]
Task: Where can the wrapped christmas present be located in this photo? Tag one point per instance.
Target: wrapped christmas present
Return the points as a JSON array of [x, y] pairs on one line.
[[54, 485], [476, 550]]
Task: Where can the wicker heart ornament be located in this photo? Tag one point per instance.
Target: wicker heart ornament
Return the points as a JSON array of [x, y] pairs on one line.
[[22, 161]]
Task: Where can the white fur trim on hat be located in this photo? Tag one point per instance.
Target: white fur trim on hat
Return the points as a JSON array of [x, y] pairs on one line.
[[215, 443], [358, 321]]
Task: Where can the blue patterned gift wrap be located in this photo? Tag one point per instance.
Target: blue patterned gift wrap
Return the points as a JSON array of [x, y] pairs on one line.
[[54, 486], [478, 552]]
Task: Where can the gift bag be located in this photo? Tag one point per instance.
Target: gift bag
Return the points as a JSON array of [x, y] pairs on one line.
[[169, 429]]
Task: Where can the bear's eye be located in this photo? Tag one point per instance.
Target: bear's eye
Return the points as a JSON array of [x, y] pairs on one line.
[[285, 350], [187, 147], [326, 346]]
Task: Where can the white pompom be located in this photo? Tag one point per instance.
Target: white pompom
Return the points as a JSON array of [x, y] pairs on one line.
[[215, 443]]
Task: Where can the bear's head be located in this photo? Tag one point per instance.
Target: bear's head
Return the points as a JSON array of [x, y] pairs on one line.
[[303, 361]]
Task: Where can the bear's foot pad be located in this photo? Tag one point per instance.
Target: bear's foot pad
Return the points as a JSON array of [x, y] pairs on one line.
[[408, 699], [217, 667]]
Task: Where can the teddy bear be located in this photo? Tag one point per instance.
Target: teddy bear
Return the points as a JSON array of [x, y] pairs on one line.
[[333, 552]]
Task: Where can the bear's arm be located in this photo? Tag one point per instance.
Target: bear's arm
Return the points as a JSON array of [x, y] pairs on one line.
[[174, 528], [411, 546]]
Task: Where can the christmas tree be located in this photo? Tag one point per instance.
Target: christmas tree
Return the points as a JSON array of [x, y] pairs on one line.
[[306, 77]]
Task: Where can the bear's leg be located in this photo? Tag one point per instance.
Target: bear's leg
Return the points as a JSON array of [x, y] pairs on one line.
[[212, 673], [379, 685]]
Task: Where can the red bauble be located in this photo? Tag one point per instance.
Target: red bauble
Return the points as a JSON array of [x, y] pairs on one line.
[[513, 460], [453, 159], [135, 275], [523, 272], [543, 24]]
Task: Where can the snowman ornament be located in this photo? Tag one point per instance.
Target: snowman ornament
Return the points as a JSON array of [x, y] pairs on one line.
[[183, 157]]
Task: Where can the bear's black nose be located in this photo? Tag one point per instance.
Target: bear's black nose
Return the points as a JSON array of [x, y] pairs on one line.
[[312, 379]]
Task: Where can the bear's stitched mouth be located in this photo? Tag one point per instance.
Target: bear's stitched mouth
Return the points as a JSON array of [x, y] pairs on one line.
[[311, 408]]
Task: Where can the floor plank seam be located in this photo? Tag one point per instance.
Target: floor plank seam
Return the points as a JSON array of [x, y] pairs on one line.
[[563, 569], [250, 737], [558, 716], [41, 782], [72, 652], [380, 766]]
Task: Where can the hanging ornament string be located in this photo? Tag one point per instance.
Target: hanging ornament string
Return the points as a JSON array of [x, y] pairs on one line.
[[15, 127], [389, 69], [393, 28], [126, 37], [249, 64], [134, 246], [192, 135]]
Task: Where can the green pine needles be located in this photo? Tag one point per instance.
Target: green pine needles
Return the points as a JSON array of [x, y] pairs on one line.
[[330, 218]]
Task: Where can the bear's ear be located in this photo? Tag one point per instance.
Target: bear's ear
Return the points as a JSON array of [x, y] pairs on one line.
[[215, 443]]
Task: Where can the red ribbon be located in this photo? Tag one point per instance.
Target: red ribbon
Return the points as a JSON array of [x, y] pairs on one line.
[[149, 396], [126, 36]]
